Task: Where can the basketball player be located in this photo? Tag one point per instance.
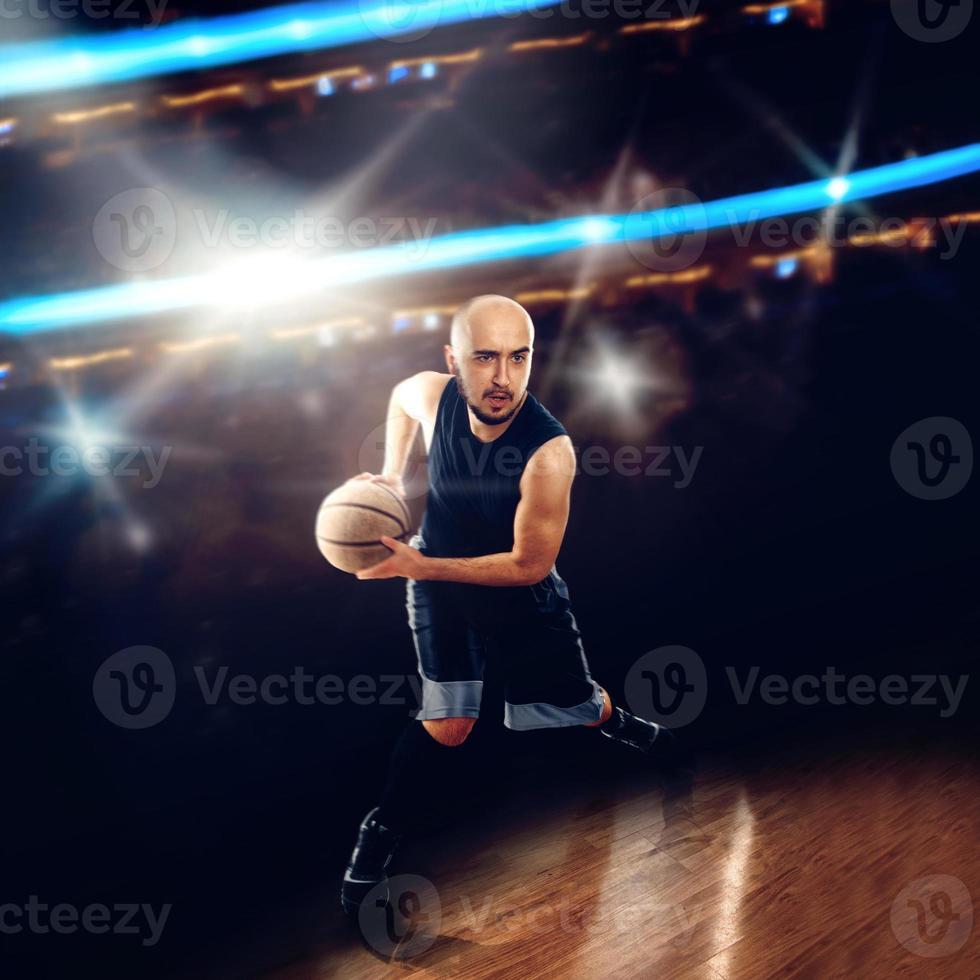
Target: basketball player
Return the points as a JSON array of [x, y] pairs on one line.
[[481, 573]]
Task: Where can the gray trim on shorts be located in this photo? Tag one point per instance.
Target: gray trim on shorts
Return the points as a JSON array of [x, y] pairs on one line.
[[523, 717], [449, 699]]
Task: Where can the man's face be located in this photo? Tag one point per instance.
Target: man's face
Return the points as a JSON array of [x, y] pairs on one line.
[[492, 362]]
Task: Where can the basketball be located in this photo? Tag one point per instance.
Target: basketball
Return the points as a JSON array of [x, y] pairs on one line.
[[351, 520]]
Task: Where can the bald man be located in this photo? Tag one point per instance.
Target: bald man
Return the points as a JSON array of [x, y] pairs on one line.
[[481, 572]]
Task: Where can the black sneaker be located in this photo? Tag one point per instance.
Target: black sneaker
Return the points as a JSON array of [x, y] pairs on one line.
[[648, 737], [368, 863]]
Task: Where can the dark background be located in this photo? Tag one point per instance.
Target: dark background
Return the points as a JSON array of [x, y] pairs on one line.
[[794, 547]]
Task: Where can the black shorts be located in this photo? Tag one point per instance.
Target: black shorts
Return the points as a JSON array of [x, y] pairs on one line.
[[529, 631]]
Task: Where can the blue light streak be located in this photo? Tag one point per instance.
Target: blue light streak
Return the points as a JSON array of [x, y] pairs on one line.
[[193, 44], [262, 285]]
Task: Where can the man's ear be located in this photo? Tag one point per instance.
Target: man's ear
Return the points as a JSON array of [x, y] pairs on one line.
[[450, 359]]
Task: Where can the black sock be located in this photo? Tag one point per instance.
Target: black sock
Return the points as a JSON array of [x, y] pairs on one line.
[[421, 774], [614, 722]]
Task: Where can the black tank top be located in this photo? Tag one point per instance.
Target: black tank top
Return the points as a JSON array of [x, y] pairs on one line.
[[474, 486]]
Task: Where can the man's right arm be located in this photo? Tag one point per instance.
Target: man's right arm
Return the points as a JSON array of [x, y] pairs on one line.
[[413, 402]]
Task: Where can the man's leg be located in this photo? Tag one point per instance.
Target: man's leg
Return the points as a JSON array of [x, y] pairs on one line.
[[638, 733], [424, 768], [427, 756], [549, 684]]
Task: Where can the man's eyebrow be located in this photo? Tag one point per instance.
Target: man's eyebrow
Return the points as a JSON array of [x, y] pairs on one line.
[[494, 353]]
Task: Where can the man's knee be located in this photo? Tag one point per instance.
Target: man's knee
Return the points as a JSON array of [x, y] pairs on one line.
[[607, 707], [449, 731]]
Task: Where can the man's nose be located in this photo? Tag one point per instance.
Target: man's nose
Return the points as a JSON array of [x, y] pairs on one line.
[[501, 377]]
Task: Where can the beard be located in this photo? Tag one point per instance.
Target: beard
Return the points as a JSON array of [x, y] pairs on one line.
[[484, 417]]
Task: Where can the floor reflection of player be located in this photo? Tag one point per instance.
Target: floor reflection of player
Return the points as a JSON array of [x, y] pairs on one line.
[[481, 572]]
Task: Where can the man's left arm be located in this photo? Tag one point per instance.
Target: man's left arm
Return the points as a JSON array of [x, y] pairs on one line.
[[539, 526]]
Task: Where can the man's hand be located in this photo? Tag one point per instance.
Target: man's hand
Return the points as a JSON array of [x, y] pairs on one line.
[[405, 561], [390, 480]]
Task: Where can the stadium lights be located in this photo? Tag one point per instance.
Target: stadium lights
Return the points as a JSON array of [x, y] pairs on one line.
[[673, 24], [207, 95], [683, 278], [433, 60], [293, 333], [199, 343], [539, 44], [264, 283], [87, 115], [193, 45], [86, 360], [304, 81]]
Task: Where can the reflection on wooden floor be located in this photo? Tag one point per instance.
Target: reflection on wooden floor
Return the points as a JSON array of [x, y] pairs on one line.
[[817, 861]]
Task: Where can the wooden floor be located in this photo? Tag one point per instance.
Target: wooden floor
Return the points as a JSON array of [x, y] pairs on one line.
[[818, 862]]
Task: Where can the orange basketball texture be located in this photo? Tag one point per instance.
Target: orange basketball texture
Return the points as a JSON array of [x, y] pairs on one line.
[[351, 520]]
